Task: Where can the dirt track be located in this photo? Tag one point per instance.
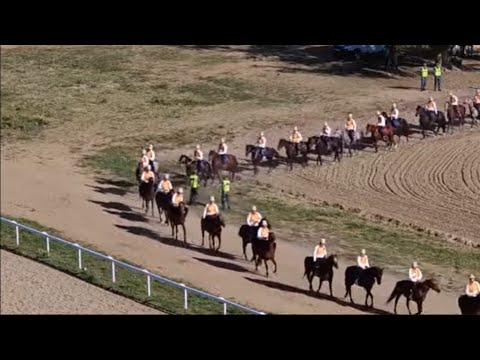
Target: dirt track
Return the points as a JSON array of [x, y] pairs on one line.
[[73, 204], [29, 287]]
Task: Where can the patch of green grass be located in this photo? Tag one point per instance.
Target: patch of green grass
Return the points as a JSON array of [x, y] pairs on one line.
[[98, 272], [118, 161], [23, 123]]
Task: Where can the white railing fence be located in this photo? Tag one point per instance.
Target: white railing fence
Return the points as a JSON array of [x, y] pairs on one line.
[[149, 275]]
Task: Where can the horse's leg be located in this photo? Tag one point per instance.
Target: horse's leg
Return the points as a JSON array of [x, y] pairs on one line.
[[219, 242], [419, 307], [274, 264], [152, 209], [320, 281], [266, 267], [244, 245], [396, 302], [310, 279], [330, 286], [408, 306], [184, 235]]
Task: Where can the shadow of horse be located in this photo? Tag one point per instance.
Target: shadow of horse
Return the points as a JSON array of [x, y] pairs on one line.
[[141, 231], [130, 216], [108, 190], [223, 265], [112, 205], [296, 290]]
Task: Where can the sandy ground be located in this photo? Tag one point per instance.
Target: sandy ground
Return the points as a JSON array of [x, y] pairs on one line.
[[28, 287]]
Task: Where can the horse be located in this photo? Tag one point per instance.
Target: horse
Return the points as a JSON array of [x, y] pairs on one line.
[[257, 156], [350, 140], [213, 226], [205, 170], [469, 305], [247, 234], [264, 250], [230, 164], [387, 136], [473, 112], [292, 153], [324, 271], [176, 216], [427, 124], [417, 294], [147, 193], [400, 126], [326, 145], [365, 278], [163, 202], [455, 119]]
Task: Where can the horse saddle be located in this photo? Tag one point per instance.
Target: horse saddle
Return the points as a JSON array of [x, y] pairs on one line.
[[395, 123]]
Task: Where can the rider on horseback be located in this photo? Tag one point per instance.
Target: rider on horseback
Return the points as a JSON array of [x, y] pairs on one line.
[[198, 158], [431, 108], [415, 276], [147, 174], [394, 113], [319, 253], [381, 123], [263, 231], [253, 220], [453, 102], [211, 209], [261, 145], [165, 185], [144, 161], [222, 151], [362, 264], [296, 138], [151, 156], [351, 127], [177, 198], [473, 287]]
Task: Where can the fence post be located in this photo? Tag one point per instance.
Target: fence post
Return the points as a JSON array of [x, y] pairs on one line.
[[149, 289], [17, 233], [185, 297], [48, 242], [224, 306], [79, 256], [113, 269]]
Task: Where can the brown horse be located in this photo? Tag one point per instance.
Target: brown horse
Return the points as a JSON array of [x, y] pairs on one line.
[[362, 277], [163, 203], [247, 233], [213, 226], [454, 118], [388, 136], [292, 152], [264, 250], [469, 305], [417, 293], [176, 217], [229, 164], [473, 112], [324, 271], [147, 193]]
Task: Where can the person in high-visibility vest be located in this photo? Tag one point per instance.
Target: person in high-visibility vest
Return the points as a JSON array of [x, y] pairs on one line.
[[226, 193], [424, 77], [437, 73], [194, 181]]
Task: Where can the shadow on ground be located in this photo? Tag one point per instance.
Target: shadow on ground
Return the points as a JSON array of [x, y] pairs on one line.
[[223, 265], [296, 290]]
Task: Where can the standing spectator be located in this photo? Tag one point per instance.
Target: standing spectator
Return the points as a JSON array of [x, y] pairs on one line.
[[437, 73], [193, 188], [424, 77], [226, 193]]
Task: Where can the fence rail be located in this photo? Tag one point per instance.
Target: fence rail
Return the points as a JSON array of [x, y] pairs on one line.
[[149, 275]]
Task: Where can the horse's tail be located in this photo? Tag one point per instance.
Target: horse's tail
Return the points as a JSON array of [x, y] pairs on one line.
[[393, 294]]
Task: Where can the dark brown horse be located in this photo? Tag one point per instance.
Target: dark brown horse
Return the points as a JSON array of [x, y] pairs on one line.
[[326, 145], [258, 154], [213, 226], [324, 271], [229, 163], [163, 203], [469, 305], [411, 293], [292, 152], [388, 136], [147, 193], [454, 118], [247, 233], [176, 217], [264, 250], [362, 277], [204, 169], [426, 123], [400, 126]]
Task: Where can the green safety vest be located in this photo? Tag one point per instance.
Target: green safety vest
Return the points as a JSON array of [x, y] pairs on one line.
[[424, 72], [226, 186], [194, 181], [438, 71]]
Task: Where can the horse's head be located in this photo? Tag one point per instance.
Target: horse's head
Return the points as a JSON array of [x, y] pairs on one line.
[[378, 274], [311, 142], [249, 149], [432, 284], [333, 259], [384, 114], [281, 143], [211, 154], [184, 159], [370, 128], [418, 110]]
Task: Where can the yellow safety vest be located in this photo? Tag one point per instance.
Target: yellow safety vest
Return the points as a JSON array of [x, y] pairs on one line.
[[438, 71], [424, 72], [194, 181], [226, 186]]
